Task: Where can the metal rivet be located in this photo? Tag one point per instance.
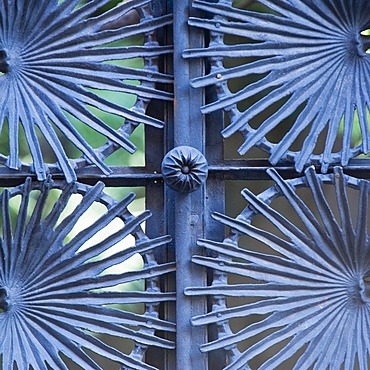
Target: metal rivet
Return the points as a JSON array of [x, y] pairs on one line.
[[184, 169]]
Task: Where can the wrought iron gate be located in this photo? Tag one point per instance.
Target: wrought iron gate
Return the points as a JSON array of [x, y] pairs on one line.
[[87, 281]]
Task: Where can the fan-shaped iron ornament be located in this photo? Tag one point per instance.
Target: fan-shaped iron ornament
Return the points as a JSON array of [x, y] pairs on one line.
[[306, 60], [54, 56], [309, 287], [56, 297]]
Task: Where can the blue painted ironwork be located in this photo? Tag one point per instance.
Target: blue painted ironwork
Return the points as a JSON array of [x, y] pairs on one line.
[[311, 286], [184, 169], [52, 291], [309, 57], [307, 283], [51, 57]]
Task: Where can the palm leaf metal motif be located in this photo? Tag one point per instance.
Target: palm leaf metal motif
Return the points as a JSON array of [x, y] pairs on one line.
[[310, 57], [310, 287], [55, 298], [54, 56]]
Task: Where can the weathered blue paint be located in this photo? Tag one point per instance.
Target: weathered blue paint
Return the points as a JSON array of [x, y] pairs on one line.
[[52, 56], [311, 55], [309, 51], [51, 290]]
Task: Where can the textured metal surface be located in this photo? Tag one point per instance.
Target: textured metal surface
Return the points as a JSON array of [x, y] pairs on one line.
[[310, 283], [53, 54], [304, 59], [185, 211], [55, 294], [57, 58], [184, 169], [303, 289]]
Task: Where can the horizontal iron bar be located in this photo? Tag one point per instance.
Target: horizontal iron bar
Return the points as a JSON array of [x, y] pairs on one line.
[[140, 176], [256, 169], [120, 176]]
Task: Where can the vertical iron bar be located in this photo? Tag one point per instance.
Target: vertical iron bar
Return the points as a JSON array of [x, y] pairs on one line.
[[155, 147], [215, 202], [187, 210]]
